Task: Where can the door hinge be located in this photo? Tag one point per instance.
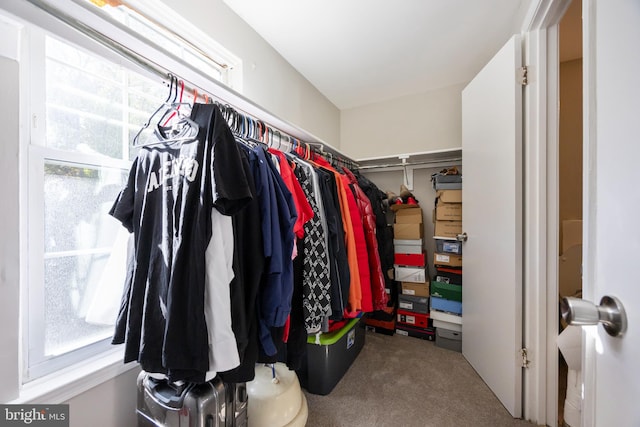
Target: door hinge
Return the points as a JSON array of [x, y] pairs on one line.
[[525, 361], [523, 75]]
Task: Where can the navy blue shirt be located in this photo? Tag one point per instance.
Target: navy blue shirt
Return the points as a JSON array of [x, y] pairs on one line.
[[278, 216]]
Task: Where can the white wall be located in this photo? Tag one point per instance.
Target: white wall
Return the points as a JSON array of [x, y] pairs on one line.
[[9, 226], [414, 123], [112, 404], [268, 80], [570, 141]]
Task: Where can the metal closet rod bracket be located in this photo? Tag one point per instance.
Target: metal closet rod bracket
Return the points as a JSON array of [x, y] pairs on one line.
[[407, 171]]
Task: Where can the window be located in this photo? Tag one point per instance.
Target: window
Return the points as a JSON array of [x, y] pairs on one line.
[[79, 159], [159, 24], [162, 37]]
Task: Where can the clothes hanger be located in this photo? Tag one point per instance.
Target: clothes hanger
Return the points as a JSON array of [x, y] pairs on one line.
[[172, 82], [244, 134], [277, 132], [232, 119], [262, 135], [270, 137], [195, 97], [307, 152], [175, 105], [237, 121], [184, 129], [251, 128], [243, 131], [259, 134]]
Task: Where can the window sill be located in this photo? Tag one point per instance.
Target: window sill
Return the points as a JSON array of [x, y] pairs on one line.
[[70, 382]]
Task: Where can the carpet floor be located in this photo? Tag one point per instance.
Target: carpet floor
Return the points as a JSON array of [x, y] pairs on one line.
[[402, 381]]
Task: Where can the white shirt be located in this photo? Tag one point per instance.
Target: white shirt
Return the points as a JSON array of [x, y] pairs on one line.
[[223, 349]]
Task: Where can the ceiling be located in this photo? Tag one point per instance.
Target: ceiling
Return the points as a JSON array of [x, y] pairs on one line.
[[358, 52]]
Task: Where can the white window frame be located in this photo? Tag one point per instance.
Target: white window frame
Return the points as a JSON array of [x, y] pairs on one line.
[[36, 364], [40, 374], [162, 20], [93, 369]]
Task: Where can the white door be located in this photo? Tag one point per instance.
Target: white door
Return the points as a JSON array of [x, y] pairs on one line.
[[492, 219], [611, 366]]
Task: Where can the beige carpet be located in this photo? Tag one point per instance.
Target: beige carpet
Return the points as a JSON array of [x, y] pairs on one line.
[[405, 382]]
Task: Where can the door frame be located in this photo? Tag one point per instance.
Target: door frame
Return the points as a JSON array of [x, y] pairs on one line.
[[589, 206], [541, 220]]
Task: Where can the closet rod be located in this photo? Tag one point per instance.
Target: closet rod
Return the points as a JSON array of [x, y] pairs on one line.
[[435, 163], [323, 149], [159, 70]]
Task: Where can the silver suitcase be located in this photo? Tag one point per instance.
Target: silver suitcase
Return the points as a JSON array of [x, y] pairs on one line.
[[211, 404]]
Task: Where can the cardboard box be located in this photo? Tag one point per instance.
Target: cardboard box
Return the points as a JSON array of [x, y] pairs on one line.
[[441, 316], [448, 185], [448, 196], [407, 246], [413, 303], [380, 330], [409, 231], [408, 249], [409, 216], [451, 340], [442, 182], [449, 275], [411, 242], [411, 260], [445, 317], [403, 206], [448, 228], [386, 325], [447, 325], [449, 211], [448, 246], [420, 320], [410, 274], [449, 260], [446, 291], [446, 305], [428, 334], [415, 289]]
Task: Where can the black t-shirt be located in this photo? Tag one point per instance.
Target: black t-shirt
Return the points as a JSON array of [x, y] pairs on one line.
[[167, 204], [248, 267]]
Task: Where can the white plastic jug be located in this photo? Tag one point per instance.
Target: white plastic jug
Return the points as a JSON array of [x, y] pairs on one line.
[[275, 398]]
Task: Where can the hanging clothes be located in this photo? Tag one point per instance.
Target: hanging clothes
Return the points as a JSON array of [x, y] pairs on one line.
[[303, 208], [248, 266], [355, 291], [316, 279], [339, 263], [384, 232], [362, 257], [223, 348], [167, 202], [379, 296], [278, 216], [290, 341]]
